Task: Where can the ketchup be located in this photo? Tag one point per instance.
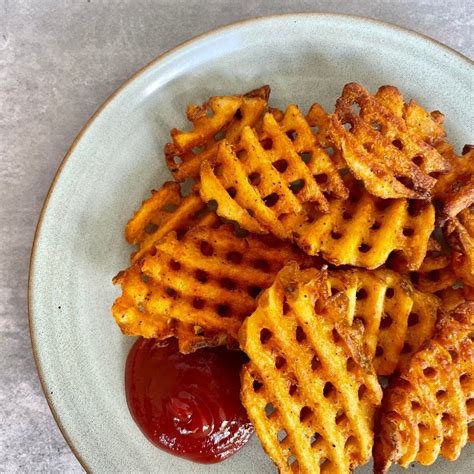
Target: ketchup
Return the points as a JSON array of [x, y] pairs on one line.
[[187, 404]]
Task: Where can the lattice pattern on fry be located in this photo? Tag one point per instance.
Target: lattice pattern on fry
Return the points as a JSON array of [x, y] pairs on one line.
[[134, 319], [166, 211], [266, 179], [208, 280], [308, 388], [387, 144], [426, 411], [229, 115], [364, 230], [397, 319], [455, 189]]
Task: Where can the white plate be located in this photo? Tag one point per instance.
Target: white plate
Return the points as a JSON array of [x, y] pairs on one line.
[[118, 158]]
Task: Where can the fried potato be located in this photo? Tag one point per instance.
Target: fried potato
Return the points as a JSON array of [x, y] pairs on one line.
[[427, 409], [388, 144], [364, 231], [267, 177], [309, 389], [229, 115], [397, 319], [208, 281], [166, 211]]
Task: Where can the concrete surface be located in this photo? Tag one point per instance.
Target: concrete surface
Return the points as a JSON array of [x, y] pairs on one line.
[[58, 61]]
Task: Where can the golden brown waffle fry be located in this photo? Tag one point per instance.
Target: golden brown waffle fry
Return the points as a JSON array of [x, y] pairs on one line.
[[166, 211], [397, 319], [265, 180], [230, 114], [364, 230], [455, 189], [426, 411], [388, 144], [308, 388], [134, 319], [208, 280]]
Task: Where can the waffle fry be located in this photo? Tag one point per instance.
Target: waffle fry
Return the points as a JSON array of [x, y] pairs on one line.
[[364, 231], [208, 281], [389, 145], [230, 114], [308, 388], [397, 319], [426, 411], [270, 177], [166, 211]]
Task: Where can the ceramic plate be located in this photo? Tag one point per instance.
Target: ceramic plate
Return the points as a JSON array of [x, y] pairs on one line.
[[118, 158]]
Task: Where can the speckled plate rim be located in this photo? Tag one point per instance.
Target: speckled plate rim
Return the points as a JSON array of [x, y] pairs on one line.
[[194, 42]]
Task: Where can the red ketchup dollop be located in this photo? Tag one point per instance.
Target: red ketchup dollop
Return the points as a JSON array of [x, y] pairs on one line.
[[187, 404]]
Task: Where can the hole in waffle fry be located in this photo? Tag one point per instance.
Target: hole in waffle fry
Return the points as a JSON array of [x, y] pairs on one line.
[[267, 144], [228, 283], [151, 228], [389, 293], [361, 391], [470, 406], [300, 334], [305, 413], [408, 232], [141, 308], [321, 178], [361, 294], [174, 265], [454, 355], [341, 418], [269, 410], [223, 310], [328, 390], [198, 303], [296, 186], [291, 134], [369, 147], [348, 126], [315, 363], [415, 405], [254, 291], [382, 204], [413, 319], [280, 362], [422, 428], [350, 364], [293, 389], [271, 199], [171, 292], [201, 276], [346, 215], [286, 308], [465, 380], [336, 235], [198, 149], [261, 264], [414, 207], [180, 233], [291, 460], [306, 157], [398, 144], [359, 320], [212, 205], [441, 395], [206, 248], [407, 348], [282, 434], [376, 126], [386, 321], [364, 248], [351, 443], [232, 192], [429, 372], [334, 291], [314, 438], [234, 257], [329, 150], [376, 226], [144, 277], [265, 335], [324, 463], [254, 178], [418, 160], [257, 385], [281, 165], [219, 135], [378, 351], [335, 336]]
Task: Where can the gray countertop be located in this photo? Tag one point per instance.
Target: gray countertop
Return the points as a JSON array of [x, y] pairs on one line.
[[58, 61]]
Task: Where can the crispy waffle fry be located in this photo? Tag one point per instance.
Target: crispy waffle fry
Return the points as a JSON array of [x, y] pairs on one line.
[[397, 319], [389, 145], [230, 114], [308, 388], [265, 180], [166, 211], [426, 411], [208, 280], [364, 230]]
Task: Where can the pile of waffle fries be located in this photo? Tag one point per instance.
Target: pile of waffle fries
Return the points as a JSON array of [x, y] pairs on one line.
[[337, 251]]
